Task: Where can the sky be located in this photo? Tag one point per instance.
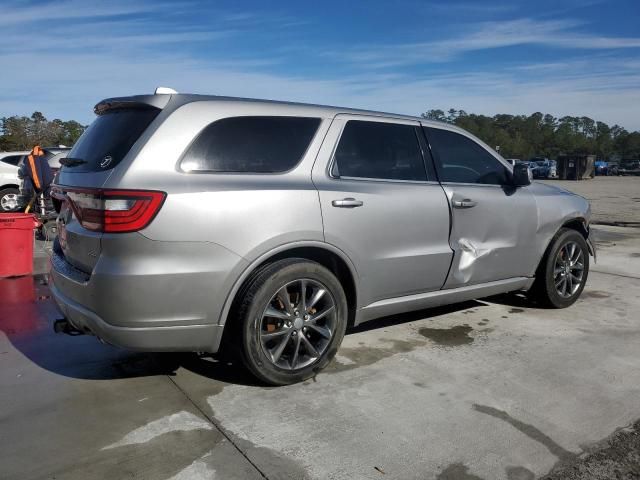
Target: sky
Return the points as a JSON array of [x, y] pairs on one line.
[[566, 57]]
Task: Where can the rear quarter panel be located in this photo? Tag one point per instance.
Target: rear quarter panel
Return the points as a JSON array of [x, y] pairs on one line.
[[245, 213]]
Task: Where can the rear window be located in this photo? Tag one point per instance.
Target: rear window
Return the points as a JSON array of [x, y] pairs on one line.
[[109, 138], [12, 160], [250, 145]]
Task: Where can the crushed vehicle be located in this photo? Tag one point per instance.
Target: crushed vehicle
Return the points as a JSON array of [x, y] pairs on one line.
[[215, 224]]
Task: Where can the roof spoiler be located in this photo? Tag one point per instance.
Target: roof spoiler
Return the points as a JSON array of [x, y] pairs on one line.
[[137, 101]]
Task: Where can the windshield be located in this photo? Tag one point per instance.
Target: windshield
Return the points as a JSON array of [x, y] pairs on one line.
[[109, 138]]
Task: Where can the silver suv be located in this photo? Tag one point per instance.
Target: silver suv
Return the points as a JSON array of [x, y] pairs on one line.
[[194, 223]]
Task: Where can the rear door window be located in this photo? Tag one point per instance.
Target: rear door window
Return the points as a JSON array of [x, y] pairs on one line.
[[12, 160], [109, 138], [459, 159], [379, 150], [250, 145]]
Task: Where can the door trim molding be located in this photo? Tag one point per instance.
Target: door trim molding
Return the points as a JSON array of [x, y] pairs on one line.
[[418, 301]]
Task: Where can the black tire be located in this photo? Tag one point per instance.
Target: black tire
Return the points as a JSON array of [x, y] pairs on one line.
[[258, 294], [9, 191], [544, 290]]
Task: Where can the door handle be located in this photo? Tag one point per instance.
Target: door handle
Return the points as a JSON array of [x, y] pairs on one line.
[[347, 203], [466, 203]]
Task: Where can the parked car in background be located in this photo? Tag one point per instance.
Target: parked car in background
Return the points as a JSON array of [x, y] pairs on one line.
[[629, 167], [9, 181], [512, 161], [601, 167], [529, 165], [543, 168], [54, 158]]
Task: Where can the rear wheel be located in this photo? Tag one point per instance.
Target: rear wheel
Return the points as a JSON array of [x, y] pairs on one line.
[[9, 199], [563, 272], [293, 315]]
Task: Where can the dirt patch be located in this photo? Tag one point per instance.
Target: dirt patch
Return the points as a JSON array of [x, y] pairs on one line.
[[616, 457], [516, 310], [448, 337]]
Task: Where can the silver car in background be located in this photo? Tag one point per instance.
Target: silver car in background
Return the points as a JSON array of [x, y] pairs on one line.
[[198, 223]]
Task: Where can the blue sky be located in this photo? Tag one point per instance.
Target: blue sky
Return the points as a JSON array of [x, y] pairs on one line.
[[562, 57]]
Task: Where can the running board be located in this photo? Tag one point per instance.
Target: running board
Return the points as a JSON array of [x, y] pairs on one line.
[[408, 303]]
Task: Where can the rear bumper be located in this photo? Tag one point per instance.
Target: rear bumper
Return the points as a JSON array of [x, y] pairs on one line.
[[148, 295], [153, 339]]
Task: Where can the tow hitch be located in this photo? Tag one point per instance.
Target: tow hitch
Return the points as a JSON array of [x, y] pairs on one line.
[[64, 326]]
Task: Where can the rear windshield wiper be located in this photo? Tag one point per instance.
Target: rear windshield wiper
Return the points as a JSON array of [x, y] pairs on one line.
[[71, 162]]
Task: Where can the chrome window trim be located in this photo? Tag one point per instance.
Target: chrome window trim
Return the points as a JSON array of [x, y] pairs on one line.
[[384, 180]]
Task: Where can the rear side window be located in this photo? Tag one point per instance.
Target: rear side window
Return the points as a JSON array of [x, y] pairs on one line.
[[379, 150], [109, 138], [12, 160], [250, 145], [459, 159]]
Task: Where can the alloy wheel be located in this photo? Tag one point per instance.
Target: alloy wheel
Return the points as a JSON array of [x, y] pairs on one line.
[[568, 270], [298, 324]]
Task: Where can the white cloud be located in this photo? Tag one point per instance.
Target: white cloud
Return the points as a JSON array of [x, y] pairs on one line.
[[610, 93], [16, 13], [485, 36], [77, 67]]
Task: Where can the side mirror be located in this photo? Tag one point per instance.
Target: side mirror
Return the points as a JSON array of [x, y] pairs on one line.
[[521, 175]]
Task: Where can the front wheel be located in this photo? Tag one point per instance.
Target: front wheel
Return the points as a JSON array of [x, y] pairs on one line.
[[293, 315], [563, 272]]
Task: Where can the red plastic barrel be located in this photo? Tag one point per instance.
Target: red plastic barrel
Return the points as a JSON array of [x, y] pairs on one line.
[[16, 244]]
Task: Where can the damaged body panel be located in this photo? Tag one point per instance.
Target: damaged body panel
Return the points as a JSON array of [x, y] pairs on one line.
[[493, 240]]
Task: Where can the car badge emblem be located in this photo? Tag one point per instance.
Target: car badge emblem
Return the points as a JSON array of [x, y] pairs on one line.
[[106, 161]]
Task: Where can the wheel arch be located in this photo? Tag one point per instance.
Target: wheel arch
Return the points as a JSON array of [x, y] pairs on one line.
[[576, 223], [334, 259]]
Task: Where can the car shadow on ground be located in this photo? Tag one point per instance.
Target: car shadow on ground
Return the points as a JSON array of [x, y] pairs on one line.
[[414, 316], [27, 314], [515, 299]]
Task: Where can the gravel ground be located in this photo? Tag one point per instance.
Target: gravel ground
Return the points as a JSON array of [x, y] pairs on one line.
[[618, 457], [614, 200]]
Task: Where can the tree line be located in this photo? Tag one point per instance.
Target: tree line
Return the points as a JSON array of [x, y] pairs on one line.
[[22, 133], [524, 137], [518, 136]]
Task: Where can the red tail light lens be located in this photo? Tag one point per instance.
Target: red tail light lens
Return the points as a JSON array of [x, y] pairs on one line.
[[115, 211]]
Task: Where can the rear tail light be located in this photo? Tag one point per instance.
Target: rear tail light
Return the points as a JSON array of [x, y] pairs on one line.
[[115, 211]]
